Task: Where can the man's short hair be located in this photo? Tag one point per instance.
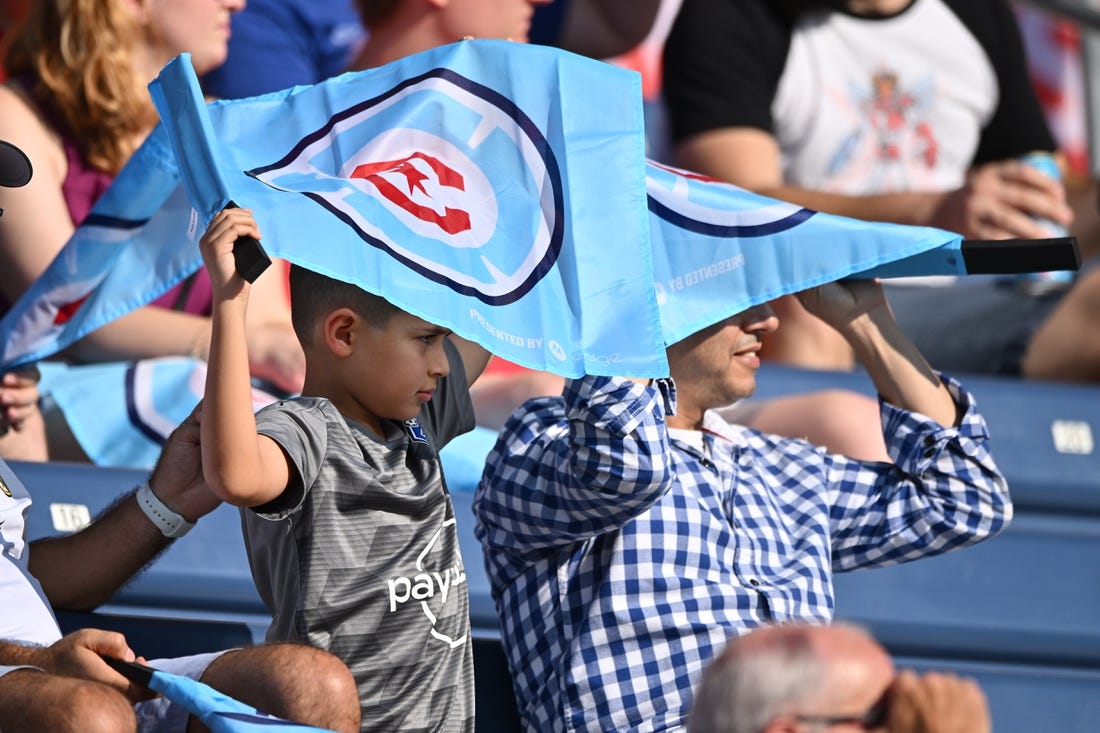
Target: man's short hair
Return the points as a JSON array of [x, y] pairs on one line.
[[373, 12], [741, 691], [313, 296]]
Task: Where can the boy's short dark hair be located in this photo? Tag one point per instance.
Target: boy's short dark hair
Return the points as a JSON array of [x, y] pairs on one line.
[[313, 296], [372, 12]]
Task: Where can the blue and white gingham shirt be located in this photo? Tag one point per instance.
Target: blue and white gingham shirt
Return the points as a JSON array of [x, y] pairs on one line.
[[622, 560]]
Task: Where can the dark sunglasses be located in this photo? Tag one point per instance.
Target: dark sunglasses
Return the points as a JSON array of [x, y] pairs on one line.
[[874, 717]]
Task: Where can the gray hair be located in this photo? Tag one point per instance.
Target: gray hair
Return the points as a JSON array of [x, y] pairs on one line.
[[748, 685]]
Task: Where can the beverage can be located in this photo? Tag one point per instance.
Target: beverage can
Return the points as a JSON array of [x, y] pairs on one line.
[[1037, 283]]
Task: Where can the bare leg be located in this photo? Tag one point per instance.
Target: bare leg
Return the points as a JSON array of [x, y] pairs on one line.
[[292, 681], [1066, 348], [32, 701]]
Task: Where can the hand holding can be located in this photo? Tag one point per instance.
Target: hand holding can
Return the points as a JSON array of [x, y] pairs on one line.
[[1039, 283]]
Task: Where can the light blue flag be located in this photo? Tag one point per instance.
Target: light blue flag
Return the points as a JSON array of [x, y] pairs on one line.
[[719, 249], [218, 711], [131, 249], [121, 413], [417, 180], [491, 187], [221, 713]]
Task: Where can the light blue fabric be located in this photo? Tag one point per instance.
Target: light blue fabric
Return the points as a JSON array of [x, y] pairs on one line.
[[153, 397], [516, 208], [133, 247], [221, 713], [500, 203], [719, 249]]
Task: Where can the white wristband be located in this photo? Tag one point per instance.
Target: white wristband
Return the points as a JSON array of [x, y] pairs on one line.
[[170, 524]]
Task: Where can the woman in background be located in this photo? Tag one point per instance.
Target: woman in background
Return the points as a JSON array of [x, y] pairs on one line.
[[76, 102]]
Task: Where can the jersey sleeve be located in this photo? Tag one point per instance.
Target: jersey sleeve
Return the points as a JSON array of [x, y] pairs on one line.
[[1018, 124]]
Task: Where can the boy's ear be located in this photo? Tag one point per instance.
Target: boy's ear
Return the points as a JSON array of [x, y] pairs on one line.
[[341, 329]]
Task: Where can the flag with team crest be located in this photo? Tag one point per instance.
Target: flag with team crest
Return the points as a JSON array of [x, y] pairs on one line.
[[719, 249], [129, 251], [494, 188], [490, 187]]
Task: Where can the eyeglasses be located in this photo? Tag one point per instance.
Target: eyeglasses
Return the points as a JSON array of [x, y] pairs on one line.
[[875, 717]]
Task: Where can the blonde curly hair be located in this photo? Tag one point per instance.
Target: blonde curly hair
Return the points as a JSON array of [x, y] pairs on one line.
[[77, 57]]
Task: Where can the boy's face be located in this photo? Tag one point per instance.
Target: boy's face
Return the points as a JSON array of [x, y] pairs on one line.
[[396, 368]]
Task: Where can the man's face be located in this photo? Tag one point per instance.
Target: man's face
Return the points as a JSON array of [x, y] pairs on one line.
[[502, 19], [717, 366]]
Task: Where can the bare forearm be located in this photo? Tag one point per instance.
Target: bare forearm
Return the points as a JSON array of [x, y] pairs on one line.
[[14, 655], [146, 332], [751, 158], [230, 458], [83, 570], [899, 371], [910, 207]]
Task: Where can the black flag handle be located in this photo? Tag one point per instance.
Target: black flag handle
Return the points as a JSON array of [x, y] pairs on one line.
[[249, 255], [1017, 256], [137, 673]]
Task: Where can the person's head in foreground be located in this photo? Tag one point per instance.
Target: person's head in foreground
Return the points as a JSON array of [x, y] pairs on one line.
[[813, 679]]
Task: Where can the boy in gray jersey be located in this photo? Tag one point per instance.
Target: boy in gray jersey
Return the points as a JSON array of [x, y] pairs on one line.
[[349, 527]]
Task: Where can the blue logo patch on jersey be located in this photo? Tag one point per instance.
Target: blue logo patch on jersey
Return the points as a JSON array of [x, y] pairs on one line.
[[412, 427]]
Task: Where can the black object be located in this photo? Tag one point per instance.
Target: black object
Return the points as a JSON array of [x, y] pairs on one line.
[[249, 255], [15, 166], [137, 673], [1016, 256]]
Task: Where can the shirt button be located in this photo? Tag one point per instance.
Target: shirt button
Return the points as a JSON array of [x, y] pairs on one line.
[[754, 582]]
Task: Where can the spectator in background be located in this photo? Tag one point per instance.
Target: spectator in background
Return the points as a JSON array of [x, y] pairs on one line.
[[278, 44], [787, 679], [911, 111], [281, 43], [76, 103], [596, 28]]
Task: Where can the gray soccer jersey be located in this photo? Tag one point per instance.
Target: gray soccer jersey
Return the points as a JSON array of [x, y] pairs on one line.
[[361, 557]]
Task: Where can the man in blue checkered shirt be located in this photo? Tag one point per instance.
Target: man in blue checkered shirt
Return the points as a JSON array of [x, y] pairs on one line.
[[629, 531]]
